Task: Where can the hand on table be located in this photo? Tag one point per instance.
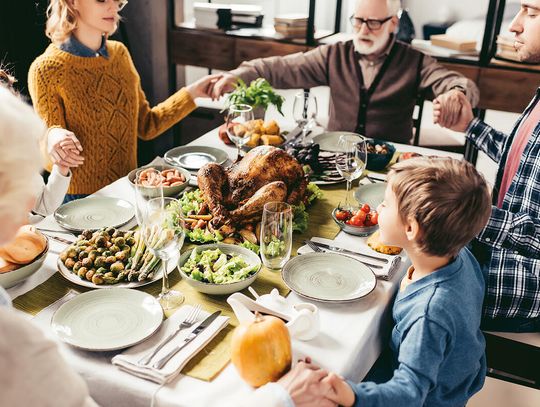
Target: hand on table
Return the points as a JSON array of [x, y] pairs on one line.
[[452, 110], [203, 87], [305, 384], [64, 149]]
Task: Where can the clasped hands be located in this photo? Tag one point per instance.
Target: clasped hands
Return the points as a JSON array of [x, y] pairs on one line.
[[64, 149], [309, 385], [452, 110]]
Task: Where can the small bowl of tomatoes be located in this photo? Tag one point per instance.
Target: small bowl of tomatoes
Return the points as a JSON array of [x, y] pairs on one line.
[[362, 221]]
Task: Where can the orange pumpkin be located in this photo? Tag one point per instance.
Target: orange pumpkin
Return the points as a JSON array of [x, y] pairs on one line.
[[261, 350]]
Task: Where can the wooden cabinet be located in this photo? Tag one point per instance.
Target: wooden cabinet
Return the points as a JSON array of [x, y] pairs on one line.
[[247, 49], [216, 50], [502, 87]]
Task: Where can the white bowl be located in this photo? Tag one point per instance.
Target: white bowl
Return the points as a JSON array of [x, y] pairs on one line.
[[167, 191], [221, 289], [20, 274]]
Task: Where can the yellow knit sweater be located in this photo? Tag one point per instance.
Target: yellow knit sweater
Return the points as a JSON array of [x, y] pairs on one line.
[[102, 102]]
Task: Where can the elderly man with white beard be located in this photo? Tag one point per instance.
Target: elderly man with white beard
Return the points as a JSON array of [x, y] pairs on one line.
[[374, 80]]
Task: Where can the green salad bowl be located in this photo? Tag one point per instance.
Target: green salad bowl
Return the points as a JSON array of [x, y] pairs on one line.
[[250, 258]]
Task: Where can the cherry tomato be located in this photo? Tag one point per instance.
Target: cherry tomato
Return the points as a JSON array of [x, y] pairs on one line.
[[356, 221], [374, 217], [342, 215], [360, 215], [365, 208]]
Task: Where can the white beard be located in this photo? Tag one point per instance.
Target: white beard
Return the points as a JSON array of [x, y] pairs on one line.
[[377, 45]]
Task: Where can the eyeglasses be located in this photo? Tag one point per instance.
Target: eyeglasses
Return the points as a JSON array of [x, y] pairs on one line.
[[120, 3], [372, 23]]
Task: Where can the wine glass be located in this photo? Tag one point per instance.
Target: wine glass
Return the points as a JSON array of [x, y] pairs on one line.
[[351, 161], [237, 116], [305, 112], [163, 233], [146, 189], [276, 234]]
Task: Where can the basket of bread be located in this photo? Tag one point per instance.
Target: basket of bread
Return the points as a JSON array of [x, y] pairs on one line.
[[22, 256], [259, 133]]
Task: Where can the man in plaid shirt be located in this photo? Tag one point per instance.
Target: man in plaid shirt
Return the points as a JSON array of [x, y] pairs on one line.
[[509, 245]]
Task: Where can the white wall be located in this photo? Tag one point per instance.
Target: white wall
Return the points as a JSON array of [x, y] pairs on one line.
[[426, 11]]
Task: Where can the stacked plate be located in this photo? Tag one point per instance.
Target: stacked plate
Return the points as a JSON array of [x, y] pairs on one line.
[[194, 157]]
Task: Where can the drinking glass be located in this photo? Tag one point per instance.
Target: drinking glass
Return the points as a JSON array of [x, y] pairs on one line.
[[144, 192], [276, 234], [351, 161], [237, 116], [305, 112], [163, 233]]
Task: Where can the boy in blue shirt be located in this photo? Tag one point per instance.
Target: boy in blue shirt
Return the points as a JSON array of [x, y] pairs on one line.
[[432, 208]]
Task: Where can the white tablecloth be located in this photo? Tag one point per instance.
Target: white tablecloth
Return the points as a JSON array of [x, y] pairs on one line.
[[351, 337]]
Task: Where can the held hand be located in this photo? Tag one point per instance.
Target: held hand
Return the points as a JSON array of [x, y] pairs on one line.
[[224, 85], [444, 111], [203, 87], [64, 148], [305, 385], [341, 392]]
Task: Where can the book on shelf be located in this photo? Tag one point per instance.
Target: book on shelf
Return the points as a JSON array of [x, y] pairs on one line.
[[224, 16], [455, 43], [291, 18]]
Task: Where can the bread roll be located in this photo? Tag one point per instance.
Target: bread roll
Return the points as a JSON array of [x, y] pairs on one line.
[[269, 139], [6, 266], [271, 128], [25, 247]]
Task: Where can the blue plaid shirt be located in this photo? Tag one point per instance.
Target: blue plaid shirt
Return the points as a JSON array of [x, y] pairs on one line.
[[511, 239]]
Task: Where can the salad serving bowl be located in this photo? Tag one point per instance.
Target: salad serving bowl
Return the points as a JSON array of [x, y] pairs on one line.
[[230, 267]]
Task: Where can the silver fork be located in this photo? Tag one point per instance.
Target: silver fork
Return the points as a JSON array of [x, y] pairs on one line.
[[317, 249], [186, 323]]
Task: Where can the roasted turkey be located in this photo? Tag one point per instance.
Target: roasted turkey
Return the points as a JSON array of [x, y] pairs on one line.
[[236, 195]]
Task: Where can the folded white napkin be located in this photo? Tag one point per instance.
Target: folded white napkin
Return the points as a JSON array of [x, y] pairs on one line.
[[358, 245], [127, 361]]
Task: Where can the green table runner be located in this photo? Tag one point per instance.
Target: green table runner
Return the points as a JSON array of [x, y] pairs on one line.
[[215, 356]]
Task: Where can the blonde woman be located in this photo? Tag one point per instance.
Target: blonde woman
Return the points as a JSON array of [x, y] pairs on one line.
[[89, 93], [33, 373], [16, 152]]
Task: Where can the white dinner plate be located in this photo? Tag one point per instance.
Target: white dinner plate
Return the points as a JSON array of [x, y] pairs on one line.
[[328, 277], [105, 320], [372, 194], [329, 140], [74, 278], [194, 157], [94, 213]]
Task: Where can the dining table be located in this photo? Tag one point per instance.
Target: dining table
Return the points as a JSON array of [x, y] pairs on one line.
[[350, 340]]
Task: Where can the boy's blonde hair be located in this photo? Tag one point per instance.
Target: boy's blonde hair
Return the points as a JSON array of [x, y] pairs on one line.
[[61, 20], [448, 198]]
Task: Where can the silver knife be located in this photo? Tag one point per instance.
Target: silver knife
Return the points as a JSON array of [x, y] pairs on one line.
[[201, 327], [341, 250]]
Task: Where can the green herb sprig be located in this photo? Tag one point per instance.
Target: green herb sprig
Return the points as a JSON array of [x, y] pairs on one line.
[[258, 93]]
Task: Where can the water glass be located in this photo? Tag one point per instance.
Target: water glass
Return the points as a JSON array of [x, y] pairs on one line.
[[237, 116], [163, 233], [276, 234], [351, 161], [305, 112]]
